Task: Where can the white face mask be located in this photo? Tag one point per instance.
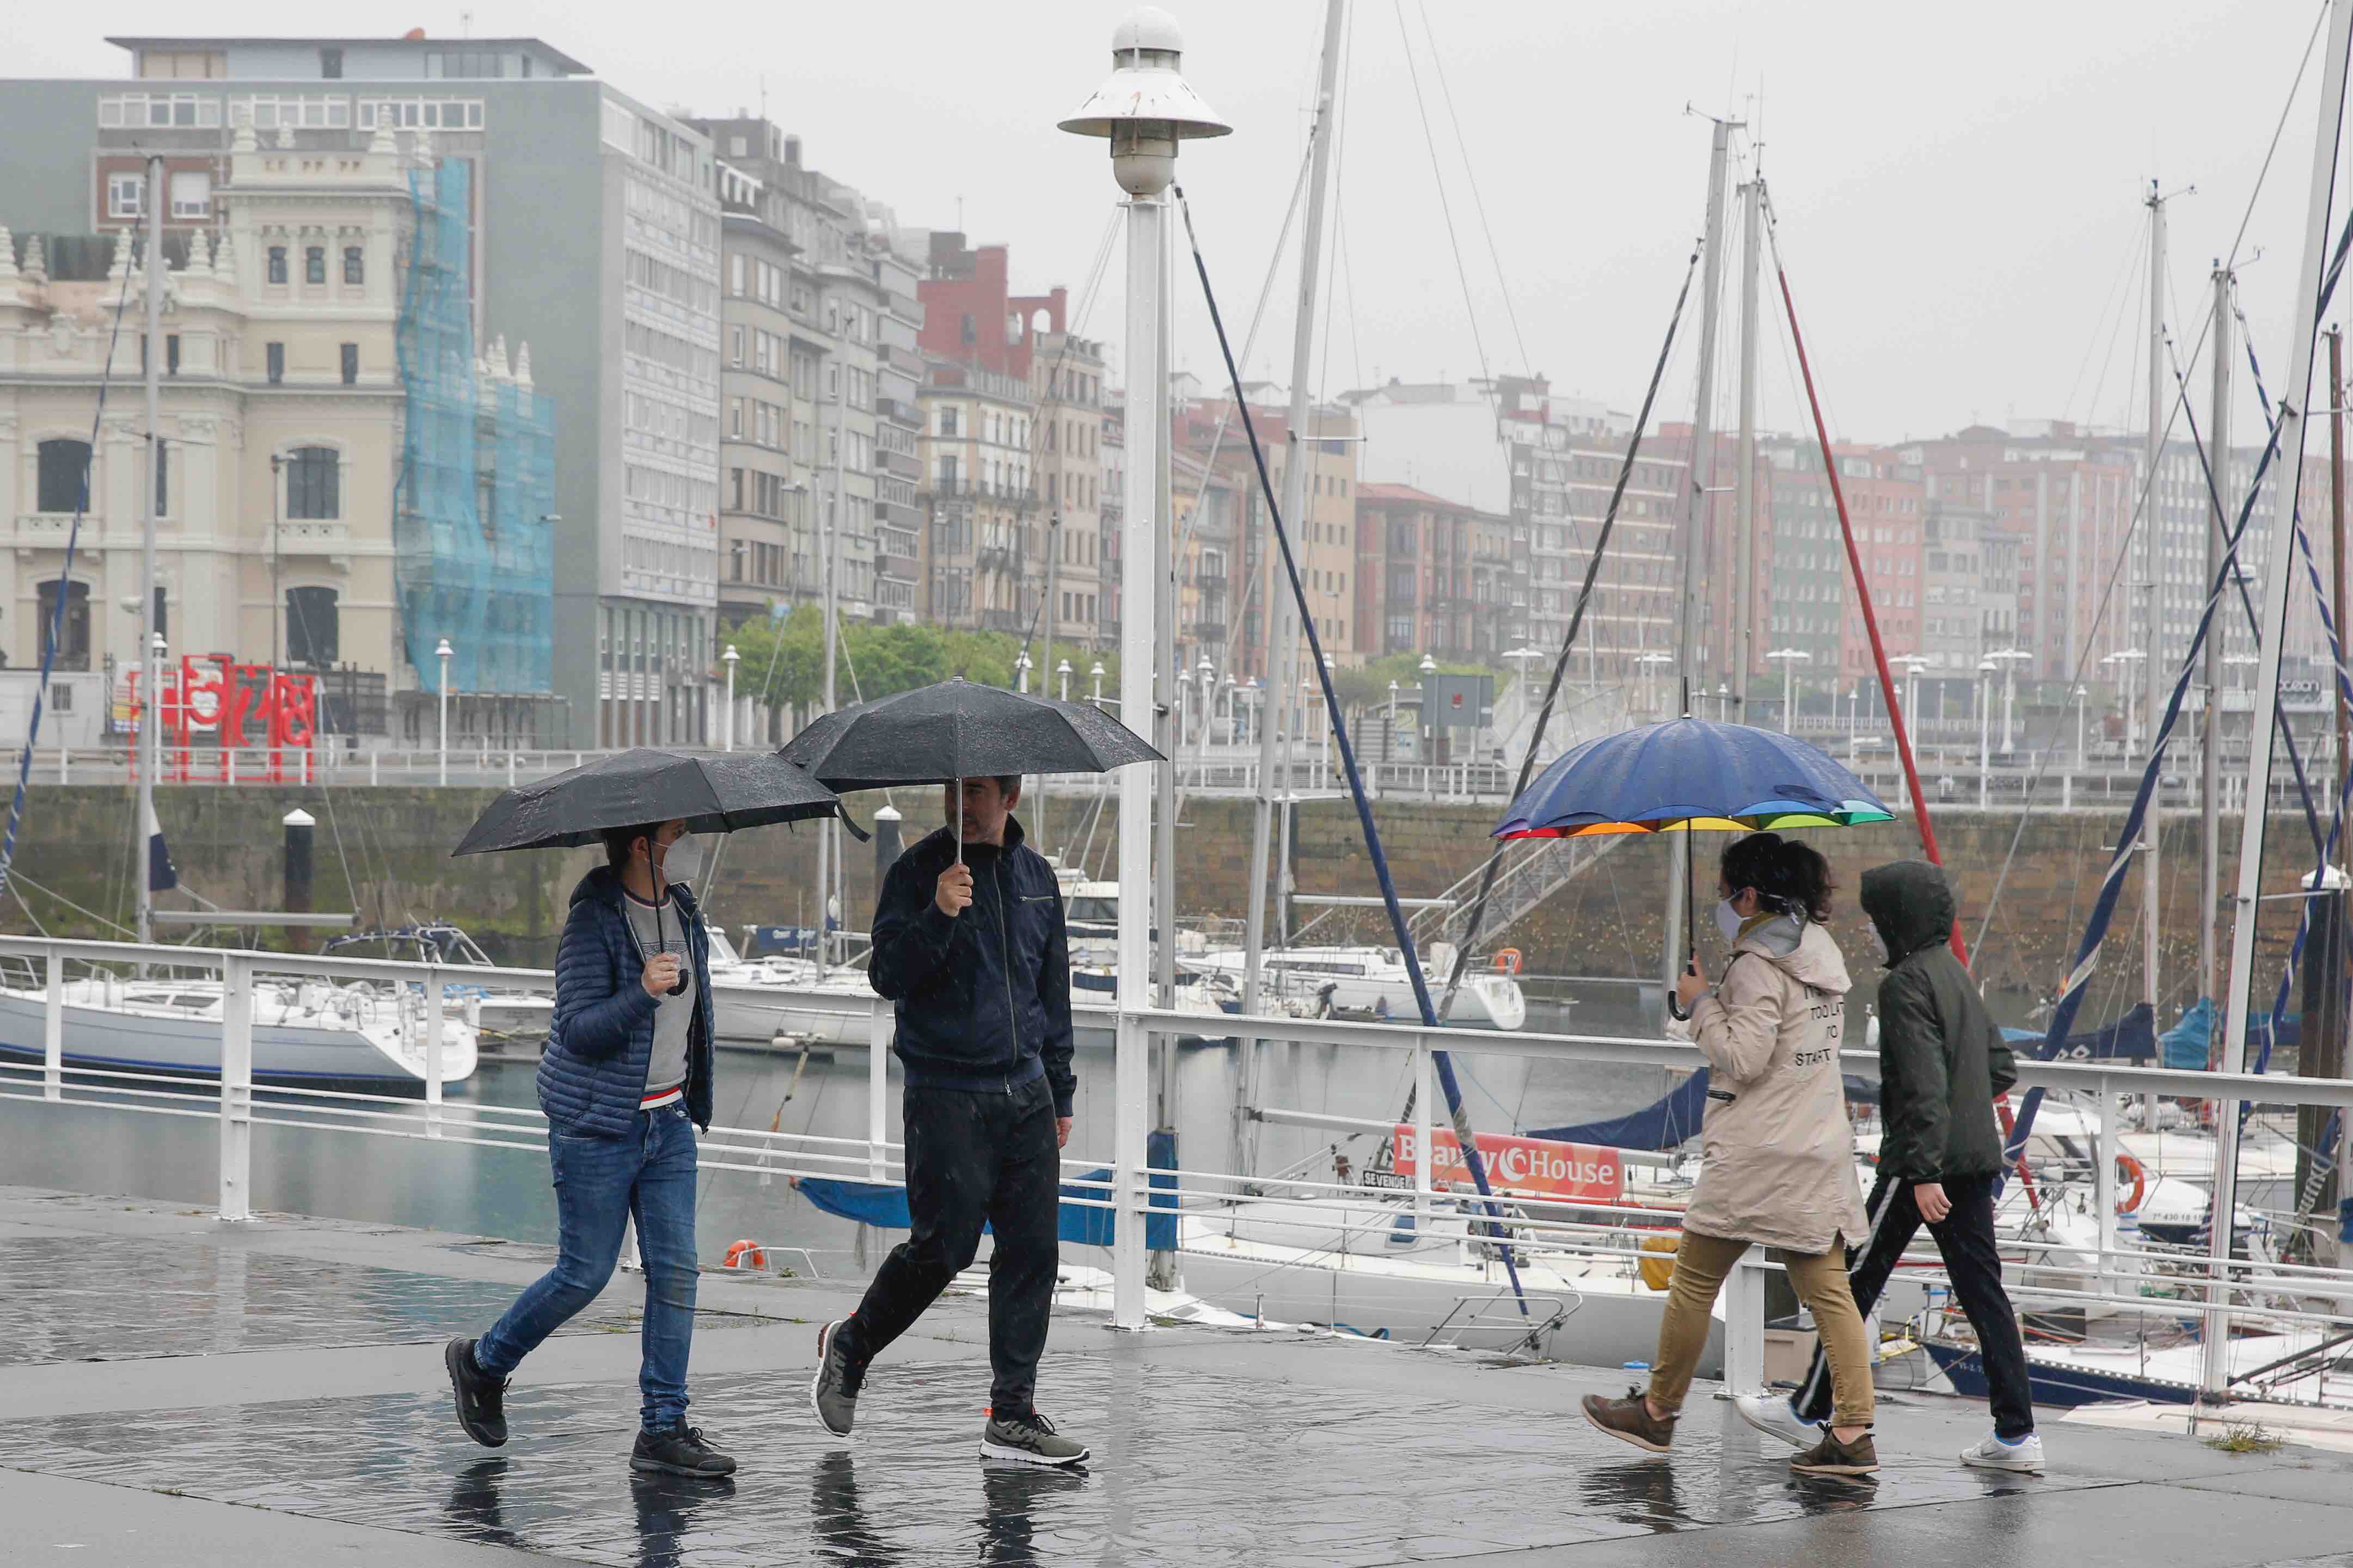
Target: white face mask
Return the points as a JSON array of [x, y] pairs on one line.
[[682, 860], [1729, 920]]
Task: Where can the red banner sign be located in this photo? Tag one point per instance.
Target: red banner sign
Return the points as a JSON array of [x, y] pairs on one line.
[[1533, 1167]]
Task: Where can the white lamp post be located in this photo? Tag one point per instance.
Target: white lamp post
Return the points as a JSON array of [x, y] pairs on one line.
[[1985, 733], [1651, 663], [1145, 108], [730, 659], [1389, 740], [443, 653], [1098, 674], [1912, 665], [1062, 671], [1789, 657], [2008, 659], [2081, 694], [1021, 672]]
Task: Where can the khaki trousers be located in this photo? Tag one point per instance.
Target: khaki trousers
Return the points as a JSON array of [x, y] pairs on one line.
[[1702, 1264]]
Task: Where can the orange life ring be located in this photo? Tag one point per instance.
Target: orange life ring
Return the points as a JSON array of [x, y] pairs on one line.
[[2129, 1168], [745, 1254], [1507, 961]]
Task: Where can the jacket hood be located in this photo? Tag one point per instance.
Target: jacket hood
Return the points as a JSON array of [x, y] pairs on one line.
[[1912, 905], [603, 885], [1803, 950]]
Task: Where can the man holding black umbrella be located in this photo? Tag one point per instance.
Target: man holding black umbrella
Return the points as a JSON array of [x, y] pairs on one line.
[[969, 941], [627, 1068]]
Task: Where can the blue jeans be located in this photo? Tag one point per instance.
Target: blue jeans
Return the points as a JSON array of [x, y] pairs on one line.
[[601, 1183]]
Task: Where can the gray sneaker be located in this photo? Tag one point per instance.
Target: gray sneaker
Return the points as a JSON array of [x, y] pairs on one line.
[[833, 1392], [1029, 1438]]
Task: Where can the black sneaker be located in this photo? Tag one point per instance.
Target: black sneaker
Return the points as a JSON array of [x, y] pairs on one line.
[[680, 1450], [833, 1392], [481, 1398], [1028, 1438]]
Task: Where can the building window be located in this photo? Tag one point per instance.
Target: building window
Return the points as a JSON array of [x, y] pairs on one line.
[[354, 265], [315, 264], [313, 483], [351, 364], [124, 192], [162, 480], [278, 264], [64, 464], [313, 626], [331, 64], [71, 637], [192, 194], [275, 355]]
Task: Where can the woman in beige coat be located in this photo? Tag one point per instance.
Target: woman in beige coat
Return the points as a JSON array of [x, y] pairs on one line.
[[1779, 1163]]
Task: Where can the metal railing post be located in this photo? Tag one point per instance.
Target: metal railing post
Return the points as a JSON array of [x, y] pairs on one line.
[[1424, 1153], [2104, 1176], [1743, 1325], [53, 1031], [1130, 1099], [435, 1000], [880, 1020], [374, 754], [236, 1088]]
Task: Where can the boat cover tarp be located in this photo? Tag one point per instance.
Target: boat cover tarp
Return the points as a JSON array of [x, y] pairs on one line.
[[1672, 1119], [2189, 1044], [2131, 1038], [1081, 1222]]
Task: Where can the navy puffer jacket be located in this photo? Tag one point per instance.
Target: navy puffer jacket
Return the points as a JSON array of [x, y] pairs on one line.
[[592, 1073]]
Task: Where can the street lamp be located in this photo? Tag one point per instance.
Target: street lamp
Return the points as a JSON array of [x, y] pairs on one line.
[[1428, 665], [2008, 658], [2081, 693], [443, 654], [1063, 670], [1021, 672], [1912, 665], [1650, 663], [1098, 673], [730, 659], [1985, 733], [1790, 659]]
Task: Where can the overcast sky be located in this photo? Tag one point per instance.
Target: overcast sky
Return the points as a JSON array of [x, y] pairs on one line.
[[1959, 187]]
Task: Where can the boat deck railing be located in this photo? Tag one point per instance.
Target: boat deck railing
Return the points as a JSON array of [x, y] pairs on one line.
[[2110, 1277]]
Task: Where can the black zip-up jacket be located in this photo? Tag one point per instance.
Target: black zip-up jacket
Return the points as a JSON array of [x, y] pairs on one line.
[[1941, 1059], [983, 997]]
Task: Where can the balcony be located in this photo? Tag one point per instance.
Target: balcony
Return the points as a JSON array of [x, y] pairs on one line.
[[998, 558]]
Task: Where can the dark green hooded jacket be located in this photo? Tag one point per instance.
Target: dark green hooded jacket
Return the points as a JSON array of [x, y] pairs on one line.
[[1941, 1059]]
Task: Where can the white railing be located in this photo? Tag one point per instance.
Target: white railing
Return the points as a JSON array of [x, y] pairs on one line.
[[1600, 1230]]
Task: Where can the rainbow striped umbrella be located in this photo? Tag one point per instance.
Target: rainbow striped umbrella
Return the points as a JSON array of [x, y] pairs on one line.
[[1689, 775]]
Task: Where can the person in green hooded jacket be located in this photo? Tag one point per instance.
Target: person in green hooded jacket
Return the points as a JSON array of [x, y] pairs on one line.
[[1942, 1061]]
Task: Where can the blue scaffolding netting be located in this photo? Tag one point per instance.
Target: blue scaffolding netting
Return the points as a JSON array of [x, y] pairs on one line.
[[473, 545]]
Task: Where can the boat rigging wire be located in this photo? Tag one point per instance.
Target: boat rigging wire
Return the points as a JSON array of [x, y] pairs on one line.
[[1443, 1062], [1454, 240], [1478, 202]]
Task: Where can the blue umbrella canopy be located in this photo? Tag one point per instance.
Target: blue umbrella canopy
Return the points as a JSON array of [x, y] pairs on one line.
[[1686, 774]]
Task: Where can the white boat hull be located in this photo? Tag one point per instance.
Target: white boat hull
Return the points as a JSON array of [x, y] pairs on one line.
[[186, 1042]]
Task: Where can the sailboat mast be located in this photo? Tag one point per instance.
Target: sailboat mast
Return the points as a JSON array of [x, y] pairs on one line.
[[1743, 496], [2152, 620], [151, 707], [1695, 502], [2209, 782], [2293, 431], [1282, 626]]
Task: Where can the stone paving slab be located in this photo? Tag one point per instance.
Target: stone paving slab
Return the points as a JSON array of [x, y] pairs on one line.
[[103, 1298], [1193, 1467]]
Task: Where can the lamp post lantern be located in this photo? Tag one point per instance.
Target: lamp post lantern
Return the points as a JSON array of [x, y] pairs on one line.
[[1062, 671], [1098, 675], [730, 658], [1145, 108], [443, 654], [1789, 657]]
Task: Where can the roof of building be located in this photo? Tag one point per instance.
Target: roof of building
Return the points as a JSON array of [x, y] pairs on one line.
[[541, 45], [1381, 492]]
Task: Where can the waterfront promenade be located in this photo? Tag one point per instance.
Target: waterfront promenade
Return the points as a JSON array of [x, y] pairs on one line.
[[177, 1391]]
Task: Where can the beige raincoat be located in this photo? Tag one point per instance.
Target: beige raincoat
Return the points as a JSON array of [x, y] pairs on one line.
[[1779, 1163]]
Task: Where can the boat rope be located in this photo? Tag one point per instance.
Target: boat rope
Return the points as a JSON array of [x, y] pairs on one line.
[[1445, 208], [50, 644], [1895, 715], [2070, 996], [1568, 640], [1443, 1062], [1478, 202]]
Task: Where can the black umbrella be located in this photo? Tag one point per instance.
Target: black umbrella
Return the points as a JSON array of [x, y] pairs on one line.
[[715, 792], [955, 730]]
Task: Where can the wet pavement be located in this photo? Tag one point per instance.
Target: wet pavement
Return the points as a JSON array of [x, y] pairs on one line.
[[286, 1403]]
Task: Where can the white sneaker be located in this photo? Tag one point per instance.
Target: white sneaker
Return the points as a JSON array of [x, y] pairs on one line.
[[1770, 1414], [1991, 1453]]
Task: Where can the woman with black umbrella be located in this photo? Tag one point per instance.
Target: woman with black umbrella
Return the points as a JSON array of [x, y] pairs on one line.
[[626, 1076]]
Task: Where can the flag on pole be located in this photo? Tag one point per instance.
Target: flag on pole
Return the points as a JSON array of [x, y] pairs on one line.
[[161, 873]]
